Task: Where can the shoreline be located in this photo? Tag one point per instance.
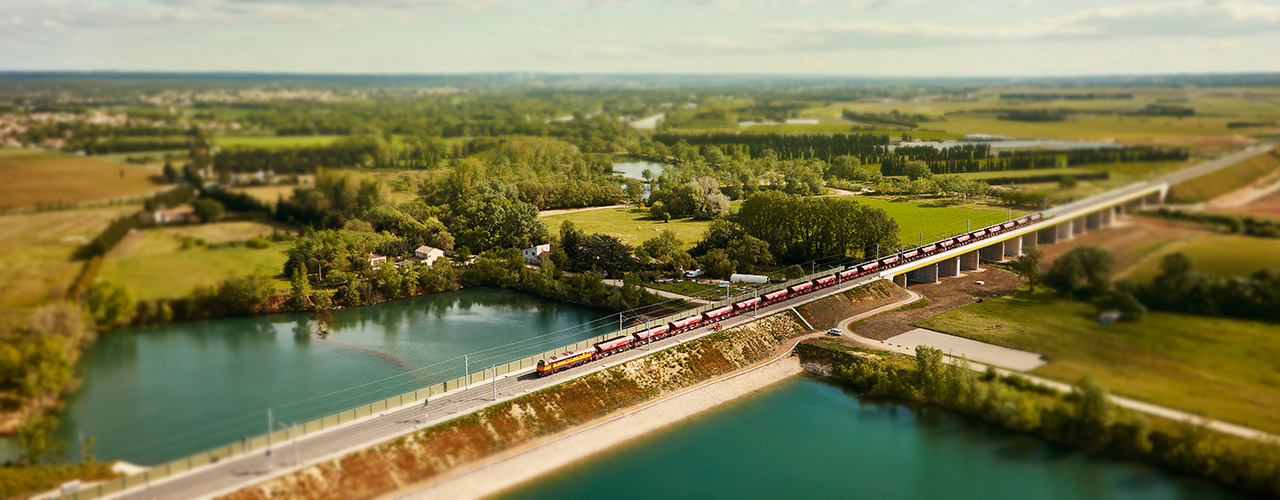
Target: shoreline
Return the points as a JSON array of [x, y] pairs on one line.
[[528, 463]]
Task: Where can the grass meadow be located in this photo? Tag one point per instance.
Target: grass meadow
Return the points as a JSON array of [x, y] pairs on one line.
[[36, 250], [1222, 254], [154, 264], [1219, 368]]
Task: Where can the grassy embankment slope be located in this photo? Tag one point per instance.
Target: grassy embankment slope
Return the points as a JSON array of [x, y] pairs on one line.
[[1220, 368], [154, 263], [1210, 186], [40, 178]]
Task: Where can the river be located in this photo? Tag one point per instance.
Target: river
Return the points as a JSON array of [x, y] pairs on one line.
[[807, 438], [157, 394]]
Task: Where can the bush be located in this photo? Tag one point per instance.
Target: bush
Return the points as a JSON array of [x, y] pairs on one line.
[[257, 243]]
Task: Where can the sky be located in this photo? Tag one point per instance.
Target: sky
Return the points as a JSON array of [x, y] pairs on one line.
[[913, 38]]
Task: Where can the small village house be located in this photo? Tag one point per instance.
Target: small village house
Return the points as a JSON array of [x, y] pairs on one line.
[[535, 254], [428, 254]]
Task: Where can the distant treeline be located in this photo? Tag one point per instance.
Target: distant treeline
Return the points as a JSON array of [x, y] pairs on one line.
[[1053, 96], [979, 158], [891, 118], [94, 146], [1033, 115], [869, 148], [1165, 110], [343, 153], [1248, 225]]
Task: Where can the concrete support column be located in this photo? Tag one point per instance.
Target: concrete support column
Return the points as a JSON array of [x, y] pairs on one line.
[[1093, 220], [994, 252], [1013, 247], [900, 280], [949, 267], [1064, 231], [1077, 226], [1153, 199], [1031, 240], [1107, 216], [926, 274], [1047, 236], [970, 261]]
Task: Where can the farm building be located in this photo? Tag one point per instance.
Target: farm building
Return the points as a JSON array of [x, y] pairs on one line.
[[184, 213], [534, 255], [428, 254], [376, 260]]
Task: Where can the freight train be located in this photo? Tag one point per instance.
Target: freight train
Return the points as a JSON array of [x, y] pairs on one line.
[[623, 343]]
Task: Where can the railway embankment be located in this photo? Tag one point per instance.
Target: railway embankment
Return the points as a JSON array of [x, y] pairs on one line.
[[476, 440]]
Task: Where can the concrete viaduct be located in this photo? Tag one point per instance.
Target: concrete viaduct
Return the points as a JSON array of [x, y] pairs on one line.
[[1063, 223]]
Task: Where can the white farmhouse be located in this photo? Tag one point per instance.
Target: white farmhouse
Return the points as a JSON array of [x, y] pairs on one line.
[[534, 255]]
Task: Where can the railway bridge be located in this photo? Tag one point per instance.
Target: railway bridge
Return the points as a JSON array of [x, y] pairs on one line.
[[1063, 223]]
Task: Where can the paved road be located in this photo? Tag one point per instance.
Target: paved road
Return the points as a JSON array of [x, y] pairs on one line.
[[233, 474], [663, 293]]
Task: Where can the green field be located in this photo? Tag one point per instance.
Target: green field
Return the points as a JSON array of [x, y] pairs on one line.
[[1220, 368], [631, 225], [1221, 182], [1222, 254], [273, 141], [36, 250], [154, 265], [935, 222], [1036, 172]]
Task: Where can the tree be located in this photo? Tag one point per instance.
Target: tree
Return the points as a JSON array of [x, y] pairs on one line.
[[1027, 267], [110, 304], [848, 168], [917, 169], [606, 254], [208, 210], [35, 437], [716, 264], [1094, 412], [300, 298], [171, 174], [1083, 272]]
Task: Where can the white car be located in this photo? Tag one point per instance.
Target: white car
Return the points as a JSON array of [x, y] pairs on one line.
[[835, 331]]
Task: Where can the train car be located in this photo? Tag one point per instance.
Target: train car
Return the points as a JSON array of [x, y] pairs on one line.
[[651, 334], [947, 244], [775, 296], [716, 314], [1023, 221], [747, 304], [565, 361], [848, 275], [929, 249], [963, 239], [866, 268], [825, 281], [1008, 225], [801, 288], [1036, 217], [886, 262], [981, 233], [684, 324], [911, 255], [612, 346]]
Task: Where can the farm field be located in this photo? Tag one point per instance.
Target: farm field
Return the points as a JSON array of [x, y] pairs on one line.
[[268, 194], [154, 265], [36, 250], [1203, 365], [41, 178], [1034, 172], [1222, 254], [1208, 187]]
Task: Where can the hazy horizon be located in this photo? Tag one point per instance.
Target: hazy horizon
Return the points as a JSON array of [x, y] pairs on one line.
[[818, 38]]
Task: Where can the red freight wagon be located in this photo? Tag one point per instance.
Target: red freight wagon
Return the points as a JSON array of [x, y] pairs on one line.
[[775, 296], [685, 323], [801, 288], [648, 335], [747, 304], [850, 274], [825, 280], [612, 345], [717, 313]]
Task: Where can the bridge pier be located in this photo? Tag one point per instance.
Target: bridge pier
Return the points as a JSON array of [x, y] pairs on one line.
[[1031, 240], [970, 261], [993, 252], [1093, 220], [900, 280], [1077, 227], [1013, 247], [1049, 235], [1108, 215], [927, 274], [949, 268], [1064, 231]]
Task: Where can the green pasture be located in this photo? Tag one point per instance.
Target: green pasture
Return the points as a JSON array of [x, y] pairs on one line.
[[1222, 254]]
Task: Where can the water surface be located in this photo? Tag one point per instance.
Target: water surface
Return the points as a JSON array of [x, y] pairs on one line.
[[153, 395], [806, 438]]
